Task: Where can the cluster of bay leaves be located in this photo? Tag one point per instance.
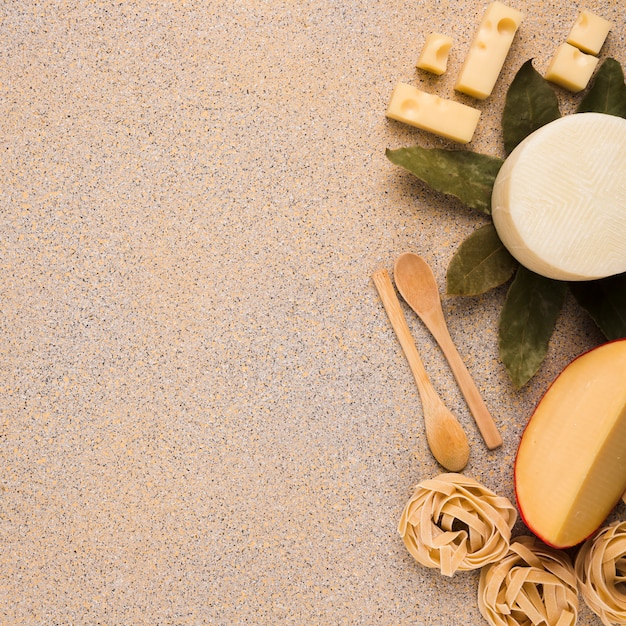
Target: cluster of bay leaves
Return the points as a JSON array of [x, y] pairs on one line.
[[533, 302]]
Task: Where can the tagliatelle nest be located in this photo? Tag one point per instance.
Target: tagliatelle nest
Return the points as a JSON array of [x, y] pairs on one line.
[[601, 571], [533, 584], [454, 523]]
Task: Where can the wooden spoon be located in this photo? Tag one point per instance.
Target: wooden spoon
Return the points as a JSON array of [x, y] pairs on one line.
[[417, 284], [445, 436]]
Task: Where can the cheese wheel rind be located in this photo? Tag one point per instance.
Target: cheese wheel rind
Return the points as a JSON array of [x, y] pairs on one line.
[[559, 200]]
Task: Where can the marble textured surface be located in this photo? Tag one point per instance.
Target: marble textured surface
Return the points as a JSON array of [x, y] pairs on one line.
[[205, 417]]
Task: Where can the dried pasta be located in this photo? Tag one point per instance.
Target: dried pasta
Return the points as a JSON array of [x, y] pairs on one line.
[[532, 584], [454, 523], [601, 572]]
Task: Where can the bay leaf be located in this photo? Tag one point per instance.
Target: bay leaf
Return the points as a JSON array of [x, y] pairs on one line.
[[527, 321], [480, 264], [605, 301], [607, 93], [466, 175], [530, 103]]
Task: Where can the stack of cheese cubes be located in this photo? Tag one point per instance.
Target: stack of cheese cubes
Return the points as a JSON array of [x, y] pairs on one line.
[[574, 61]]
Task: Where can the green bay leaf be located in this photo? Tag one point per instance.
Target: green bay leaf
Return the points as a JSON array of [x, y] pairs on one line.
[[605, 301], [480, 264], [466, 175], [527, 321], [530, 104], [607, 94]]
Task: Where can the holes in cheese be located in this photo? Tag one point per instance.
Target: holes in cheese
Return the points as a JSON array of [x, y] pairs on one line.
[[440, 116], [488, 51], [589, 32], [434, 55], [570, 469], [570, 68], [507, 26], [559, 200]]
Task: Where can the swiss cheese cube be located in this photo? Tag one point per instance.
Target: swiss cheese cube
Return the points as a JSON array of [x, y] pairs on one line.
[[589, 32], [570, 68], [440, 116], [488, 51], [434, 55]]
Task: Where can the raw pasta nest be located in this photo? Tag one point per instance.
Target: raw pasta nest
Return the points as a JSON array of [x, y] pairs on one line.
[[532, 584], [601, 573], [453, 523]]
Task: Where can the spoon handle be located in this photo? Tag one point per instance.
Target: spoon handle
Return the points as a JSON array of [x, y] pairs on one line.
[[398, 322], [475, 402], [446, 438]]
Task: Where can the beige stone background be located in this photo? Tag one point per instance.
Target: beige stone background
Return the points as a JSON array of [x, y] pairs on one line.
[[205, 415]]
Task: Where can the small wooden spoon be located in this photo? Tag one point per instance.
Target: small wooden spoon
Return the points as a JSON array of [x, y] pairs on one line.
[[445, 436], [417, 285]]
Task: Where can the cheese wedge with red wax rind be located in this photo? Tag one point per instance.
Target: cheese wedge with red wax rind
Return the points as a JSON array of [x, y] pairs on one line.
[[570, 469]]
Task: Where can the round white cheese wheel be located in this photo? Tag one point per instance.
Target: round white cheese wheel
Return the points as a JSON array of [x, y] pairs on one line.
[[559, 200]]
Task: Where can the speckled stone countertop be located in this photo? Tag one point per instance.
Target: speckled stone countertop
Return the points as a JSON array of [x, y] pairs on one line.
[[205, 415]]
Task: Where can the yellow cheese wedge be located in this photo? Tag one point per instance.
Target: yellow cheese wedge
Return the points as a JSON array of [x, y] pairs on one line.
[[570, 469], [559, 200]]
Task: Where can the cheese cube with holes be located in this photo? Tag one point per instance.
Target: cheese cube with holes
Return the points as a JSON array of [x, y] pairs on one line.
[[559, 200], [434, 55], [589, 32], [570, 68], [570, 468], [446, 118], [488, 51]]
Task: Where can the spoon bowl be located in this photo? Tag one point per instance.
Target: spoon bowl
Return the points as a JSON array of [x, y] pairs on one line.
[[417, 285], [446, 438]]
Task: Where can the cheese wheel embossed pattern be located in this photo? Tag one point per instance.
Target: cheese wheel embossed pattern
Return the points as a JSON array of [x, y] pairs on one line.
[[559, 200]]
